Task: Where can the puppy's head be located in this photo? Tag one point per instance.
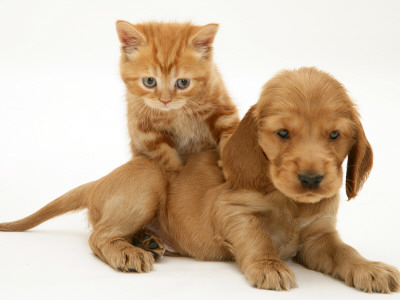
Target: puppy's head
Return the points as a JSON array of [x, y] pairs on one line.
[[296, 138]]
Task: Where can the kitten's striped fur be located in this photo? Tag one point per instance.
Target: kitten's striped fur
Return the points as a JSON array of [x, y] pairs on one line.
[[196, 118]]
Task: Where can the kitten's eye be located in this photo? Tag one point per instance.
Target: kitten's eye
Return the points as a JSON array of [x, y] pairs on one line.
[[182, 83], [283, 133], [149, 82], [333, 135]]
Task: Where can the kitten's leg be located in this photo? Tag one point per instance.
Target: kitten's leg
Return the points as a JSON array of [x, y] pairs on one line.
[[243, 232], [327, 253], [158, 147], [126, 201], [168, 158], [222, 125], [149, 241]]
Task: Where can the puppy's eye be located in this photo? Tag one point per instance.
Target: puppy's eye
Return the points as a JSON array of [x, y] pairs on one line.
[[149, 82], [334, 135], [283, 133], [182, 83]]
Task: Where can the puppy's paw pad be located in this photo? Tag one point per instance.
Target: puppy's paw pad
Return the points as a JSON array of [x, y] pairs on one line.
[[149, 241], [136, 242], [152, 245]]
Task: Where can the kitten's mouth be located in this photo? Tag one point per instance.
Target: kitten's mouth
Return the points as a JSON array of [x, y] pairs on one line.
[[164, 106]]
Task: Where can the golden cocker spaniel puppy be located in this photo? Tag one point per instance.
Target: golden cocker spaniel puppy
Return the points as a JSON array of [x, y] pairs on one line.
[[284, 169]]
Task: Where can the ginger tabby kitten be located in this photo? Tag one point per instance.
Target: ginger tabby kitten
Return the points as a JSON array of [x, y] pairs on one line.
[[177, 101], [177, 105]]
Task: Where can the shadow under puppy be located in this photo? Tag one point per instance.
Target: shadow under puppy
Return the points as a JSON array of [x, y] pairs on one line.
[[280, 201]]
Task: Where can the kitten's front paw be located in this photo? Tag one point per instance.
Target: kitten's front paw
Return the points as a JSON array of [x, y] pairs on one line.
[[271, 275], [172, 165], [175, 169], [374, 277]]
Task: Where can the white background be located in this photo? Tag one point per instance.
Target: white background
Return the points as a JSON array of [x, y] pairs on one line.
[[62, 123]]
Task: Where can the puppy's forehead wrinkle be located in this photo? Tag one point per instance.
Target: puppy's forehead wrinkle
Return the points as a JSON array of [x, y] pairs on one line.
[[308, 91], [290, 115]]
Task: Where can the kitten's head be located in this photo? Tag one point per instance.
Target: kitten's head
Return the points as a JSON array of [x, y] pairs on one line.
[[166, 65]]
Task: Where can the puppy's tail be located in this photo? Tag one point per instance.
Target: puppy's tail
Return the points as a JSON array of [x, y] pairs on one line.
[[72, 200]]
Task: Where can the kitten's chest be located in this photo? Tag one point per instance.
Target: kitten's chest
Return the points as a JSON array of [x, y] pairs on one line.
[[191, 134]]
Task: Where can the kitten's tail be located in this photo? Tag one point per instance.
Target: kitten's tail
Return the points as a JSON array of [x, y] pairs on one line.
[[72, 200]]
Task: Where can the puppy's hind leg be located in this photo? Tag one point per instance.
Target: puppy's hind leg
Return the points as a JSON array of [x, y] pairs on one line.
[[130, 196], [119, 253]]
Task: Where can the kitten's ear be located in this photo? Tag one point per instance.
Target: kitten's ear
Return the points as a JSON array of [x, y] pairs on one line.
[[131, 38], [202, 40]]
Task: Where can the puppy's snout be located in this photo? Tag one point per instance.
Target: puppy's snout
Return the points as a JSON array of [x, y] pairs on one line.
[[310, 181]]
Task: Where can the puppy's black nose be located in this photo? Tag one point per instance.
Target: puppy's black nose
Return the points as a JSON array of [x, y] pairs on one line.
[[310, 181]]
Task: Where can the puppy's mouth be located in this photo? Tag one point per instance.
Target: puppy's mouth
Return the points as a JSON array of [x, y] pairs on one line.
[[300, 194], [307, 197]]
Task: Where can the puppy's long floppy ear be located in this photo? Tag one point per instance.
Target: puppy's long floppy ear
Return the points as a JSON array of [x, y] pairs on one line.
[[359, 162], [131, 38], [244, 161]]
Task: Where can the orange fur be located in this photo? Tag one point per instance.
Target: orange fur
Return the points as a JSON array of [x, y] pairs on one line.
[[165, 121], [263, 214]]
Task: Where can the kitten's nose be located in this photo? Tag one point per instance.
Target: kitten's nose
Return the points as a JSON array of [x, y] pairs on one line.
[[165, 97], [165, 101]]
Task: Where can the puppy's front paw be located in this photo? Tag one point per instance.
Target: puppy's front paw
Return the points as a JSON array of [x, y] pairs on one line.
[[374, 277], [271, 275]]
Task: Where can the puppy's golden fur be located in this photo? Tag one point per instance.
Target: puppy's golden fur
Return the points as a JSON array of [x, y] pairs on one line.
[[266, 212]]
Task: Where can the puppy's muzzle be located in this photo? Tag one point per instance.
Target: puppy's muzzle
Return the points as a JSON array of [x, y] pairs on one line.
[[310, 181]]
